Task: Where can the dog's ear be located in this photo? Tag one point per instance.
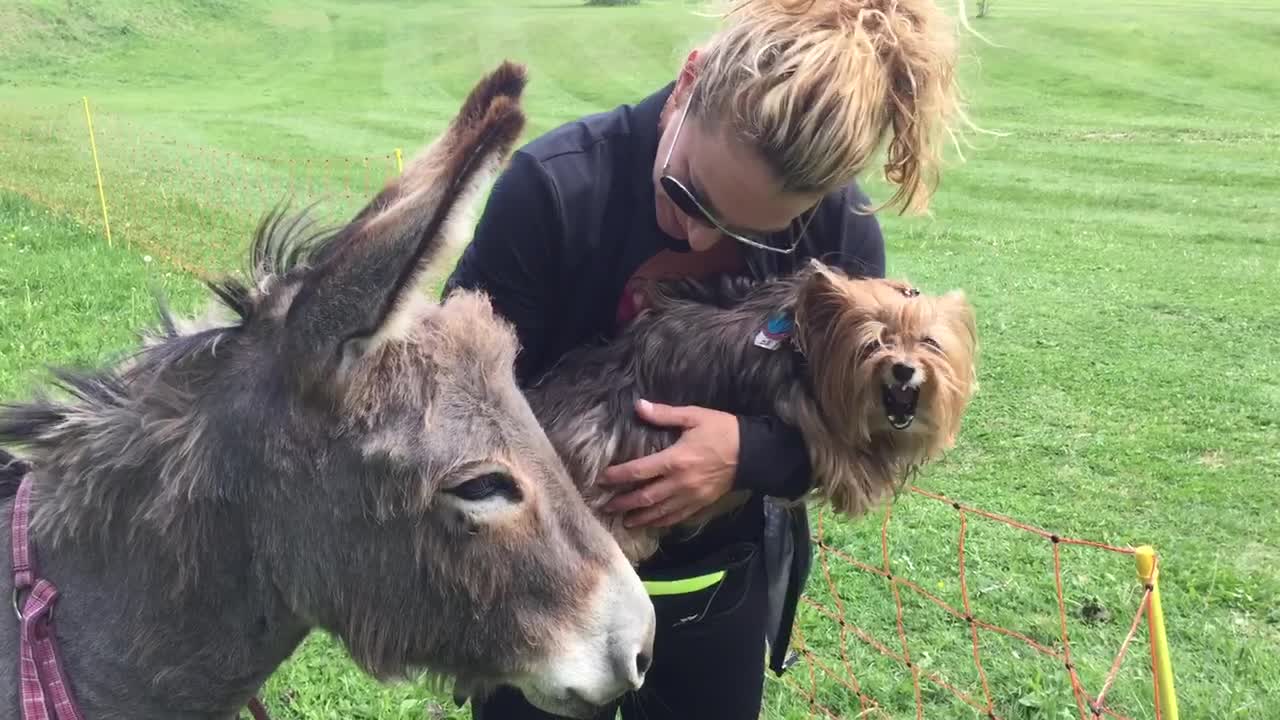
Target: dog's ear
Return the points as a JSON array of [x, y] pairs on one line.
[[820, 272], [820, 289], [821, 280], [825, 304], [956, 306], [960, 318]]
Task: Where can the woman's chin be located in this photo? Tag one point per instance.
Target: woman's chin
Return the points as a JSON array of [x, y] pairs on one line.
[[700, 242]]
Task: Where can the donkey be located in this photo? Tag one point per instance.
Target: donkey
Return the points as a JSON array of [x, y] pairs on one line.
[[334, 452]]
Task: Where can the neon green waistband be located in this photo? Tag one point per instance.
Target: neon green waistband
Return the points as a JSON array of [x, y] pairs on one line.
[[684, 585]]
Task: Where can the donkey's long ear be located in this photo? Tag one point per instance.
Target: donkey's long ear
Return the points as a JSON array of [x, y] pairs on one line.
[[362, 275]]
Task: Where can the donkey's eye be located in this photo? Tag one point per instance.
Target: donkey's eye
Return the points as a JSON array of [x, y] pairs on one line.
[[932, 343], [487, 486]]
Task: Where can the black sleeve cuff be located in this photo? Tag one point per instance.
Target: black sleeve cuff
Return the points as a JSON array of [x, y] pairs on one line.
[[772, 458]]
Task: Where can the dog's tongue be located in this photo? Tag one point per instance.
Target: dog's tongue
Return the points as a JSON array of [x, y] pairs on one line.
[[901, 394]]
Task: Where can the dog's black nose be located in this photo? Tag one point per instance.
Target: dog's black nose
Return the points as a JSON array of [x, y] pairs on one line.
[[903, 373]]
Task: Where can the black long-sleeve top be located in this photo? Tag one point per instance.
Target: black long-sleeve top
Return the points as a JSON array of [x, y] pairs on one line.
[[571, 220]]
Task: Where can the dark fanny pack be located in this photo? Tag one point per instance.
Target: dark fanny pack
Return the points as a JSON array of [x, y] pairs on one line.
[[788, 554]]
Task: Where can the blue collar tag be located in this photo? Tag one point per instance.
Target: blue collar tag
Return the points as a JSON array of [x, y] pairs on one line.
[[774, 332]]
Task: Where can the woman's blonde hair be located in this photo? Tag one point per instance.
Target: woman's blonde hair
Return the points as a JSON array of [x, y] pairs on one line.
[[819, 85]]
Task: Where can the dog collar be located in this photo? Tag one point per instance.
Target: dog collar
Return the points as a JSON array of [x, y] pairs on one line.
[[776, 329]]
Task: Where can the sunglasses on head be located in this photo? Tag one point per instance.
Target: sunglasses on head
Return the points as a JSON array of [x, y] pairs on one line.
[[689, 205]]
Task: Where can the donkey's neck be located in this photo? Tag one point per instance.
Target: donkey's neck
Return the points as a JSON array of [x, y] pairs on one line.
[[137, 644]]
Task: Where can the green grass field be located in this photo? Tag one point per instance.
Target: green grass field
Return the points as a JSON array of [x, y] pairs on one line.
[[1121, 241]]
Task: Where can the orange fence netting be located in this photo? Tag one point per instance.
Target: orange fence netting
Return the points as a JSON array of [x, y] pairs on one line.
[[980, 699]]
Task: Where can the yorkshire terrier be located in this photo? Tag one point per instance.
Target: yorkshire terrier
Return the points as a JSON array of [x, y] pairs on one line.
[[874, 374]]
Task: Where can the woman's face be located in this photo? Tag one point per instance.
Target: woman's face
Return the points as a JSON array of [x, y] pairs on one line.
[[729, 179]]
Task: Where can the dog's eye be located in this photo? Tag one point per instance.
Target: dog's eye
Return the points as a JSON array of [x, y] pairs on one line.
[[871, 347], [486, 486], [932, 343]]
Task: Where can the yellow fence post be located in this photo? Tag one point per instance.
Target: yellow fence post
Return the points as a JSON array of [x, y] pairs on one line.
[[1165, 696], [399, 162], [97, 169]]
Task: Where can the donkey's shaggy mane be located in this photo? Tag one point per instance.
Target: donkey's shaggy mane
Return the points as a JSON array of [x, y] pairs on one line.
[[283, 244], [142, 411]]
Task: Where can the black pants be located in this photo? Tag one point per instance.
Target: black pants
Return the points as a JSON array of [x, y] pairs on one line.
[[708, 654]]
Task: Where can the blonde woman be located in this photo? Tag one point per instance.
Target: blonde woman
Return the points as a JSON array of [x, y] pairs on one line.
[[745, 163]]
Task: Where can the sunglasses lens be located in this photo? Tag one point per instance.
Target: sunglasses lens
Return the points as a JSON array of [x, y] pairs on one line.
[[689, 206], [684, 200]]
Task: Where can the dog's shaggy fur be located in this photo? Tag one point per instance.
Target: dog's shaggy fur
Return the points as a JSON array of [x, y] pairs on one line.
[[875, 375]]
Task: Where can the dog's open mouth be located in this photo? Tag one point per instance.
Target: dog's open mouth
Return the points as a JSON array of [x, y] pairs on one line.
[[900, 404]]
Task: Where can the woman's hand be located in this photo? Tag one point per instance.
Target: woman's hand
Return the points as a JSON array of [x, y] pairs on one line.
[[686, 477]]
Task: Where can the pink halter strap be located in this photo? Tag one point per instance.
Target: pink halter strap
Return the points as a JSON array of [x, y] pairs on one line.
[[46, 694]]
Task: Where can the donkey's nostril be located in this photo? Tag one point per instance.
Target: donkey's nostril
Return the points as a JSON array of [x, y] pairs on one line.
[[642, 663]]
